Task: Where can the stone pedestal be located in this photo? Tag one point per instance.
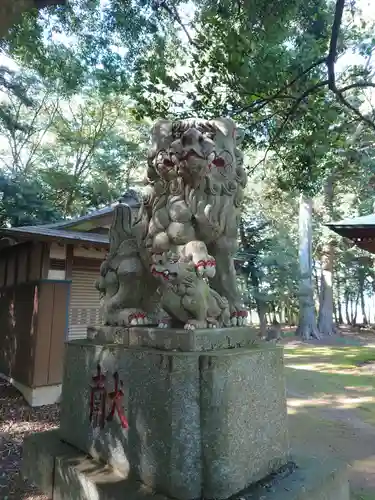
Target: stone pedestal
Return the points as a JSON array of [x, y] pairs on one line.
[[199, 423], [206, 411]]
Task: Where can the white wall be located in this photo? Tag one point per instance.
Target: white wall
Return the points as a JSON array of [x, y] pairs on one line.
[[57, 251]]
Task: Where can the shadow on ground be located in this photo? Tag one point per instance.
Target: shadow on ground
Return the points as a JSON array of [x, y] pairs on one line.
[[331, 406], [17, 420]]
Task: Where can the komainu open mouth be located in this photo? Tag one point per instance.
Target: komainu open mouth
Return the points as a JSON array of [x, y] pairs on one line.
[[165, 274]]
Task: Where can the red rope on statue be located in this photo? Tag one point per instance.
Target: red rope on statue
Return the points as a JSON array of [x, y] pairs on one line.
[[116, 397]]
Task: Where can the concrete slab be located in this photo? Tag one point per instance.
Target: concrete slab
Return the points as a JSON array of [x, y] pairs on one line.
[[62, 472]]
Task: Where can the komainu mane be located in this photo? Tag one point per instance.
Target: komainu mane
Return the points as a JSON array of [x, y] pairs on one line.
[[196, 182]]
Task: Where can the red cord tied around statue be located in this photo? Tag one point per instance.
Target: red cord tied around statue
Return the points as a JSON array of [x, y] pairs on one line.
[[116, 397]]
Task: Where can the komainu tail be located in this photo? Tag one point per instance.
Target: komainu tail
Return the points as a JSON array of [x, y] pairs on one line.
[[127, 230]]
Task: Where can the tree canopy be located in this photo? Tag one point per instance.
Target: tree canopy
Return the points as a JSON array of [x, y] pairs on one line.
[[81, 83]]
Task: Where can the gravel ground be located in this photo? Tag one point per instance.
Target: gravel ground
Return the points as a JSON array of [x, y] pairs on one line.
[[18, 420]]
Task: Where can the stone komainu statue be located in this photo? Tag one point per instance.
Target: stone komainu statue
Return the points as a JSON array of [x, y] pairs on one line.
[[185, 231]]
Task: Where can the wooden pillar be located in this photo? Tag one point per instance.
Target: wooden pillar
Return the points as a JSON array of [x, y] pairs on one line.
[[44, 264], [52, 312], [69, 262]]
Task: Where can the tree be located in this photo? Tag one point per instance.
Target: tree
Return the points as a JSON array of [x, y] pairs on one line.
[[28, 111], [82, 151], [268, 248], [307, 326], [243, 52], [11, 12], [23, 202], [252, 244], [326, 325], [94, 151]]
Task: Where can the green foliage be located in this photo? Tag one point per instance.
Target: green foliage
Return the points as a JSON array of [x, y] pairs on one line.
[[269, 249], [84, 151], [24, 202], [97, 149]]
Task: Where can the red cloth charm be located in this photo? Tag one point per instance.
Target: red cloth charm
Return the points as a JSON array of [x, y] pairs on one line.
[[116, 397], [98, 398], [205, 263]]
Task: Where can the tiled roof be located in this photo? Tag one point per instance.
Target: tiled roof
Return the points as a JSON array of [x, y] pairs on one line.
[[361, 230], [60, 230], [72, 222], [129, 198], [364, 221], [56, 234]]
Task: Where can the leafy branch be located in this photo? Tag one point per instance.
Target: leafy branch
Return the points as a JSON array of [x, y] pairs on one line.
[[173, 13], [284, 92], [330, 82], [262, 102], [330, 63]]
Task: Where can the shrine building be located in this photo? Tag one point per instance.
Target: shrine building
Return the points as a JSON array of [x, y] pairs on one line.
[[48, 296]]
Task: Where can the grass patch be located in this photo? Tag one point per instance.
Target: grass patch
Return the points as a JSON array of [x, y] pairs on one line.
[[288, 333], [362, 496], [345, 356], [332, 377]]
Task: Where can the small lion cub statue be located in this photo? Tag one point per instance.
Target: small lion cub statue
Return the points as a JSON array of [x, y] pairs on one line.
[[187, 296]]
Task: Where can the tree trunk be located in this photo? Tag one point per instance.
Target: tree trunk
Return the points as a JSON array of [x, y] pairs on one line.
[[307, 327], [362, 299], [368, 315], [261, 308], [355, 310], [251, 316], [363, 307], [335, 312], [339, 306], [326, 324], [273, 309], [316, 280], [347, 315], [282, 314], [290, 317]]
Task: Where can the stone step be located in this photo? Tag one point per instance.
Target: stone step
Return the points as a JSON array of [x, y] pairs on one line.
[[64, 473]]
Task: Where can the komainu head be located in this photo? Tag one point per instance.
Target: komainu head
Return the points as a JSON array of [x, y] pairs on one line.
[[193, 150]]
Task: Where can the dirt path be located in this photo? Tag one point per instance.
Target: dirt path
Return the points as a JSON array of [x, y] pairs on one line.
[[339, 433]]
